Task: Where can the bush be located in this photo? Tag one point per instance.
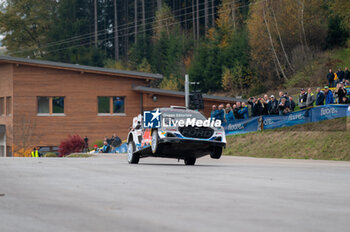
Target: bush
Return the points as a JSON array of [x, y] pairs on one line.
[[73, 144], [50, 154]]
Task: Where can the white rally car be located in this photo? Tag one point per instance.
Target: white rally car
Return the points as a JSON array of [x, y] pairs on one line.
[[175, 139]]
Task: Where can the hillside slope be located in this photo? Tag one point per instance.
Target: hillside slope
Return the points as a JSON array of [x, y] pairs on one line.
[[327, 140]]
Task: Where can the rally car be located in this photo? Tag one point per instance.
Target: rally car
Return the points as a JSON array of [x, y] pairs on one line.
[[175, 132]]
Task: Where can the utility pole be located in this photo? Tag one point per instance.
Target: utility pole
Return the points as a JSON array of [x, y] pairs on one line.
[[95, 14], [135, 18], [187, 91], [143, 18]]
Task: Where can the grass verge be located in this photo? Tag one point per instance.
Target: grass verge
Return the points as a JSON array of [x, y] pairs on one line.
[[326, 140], [78, 155]]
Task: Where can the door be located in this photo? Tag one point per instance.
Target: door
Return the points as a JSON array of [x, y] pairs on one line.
[[2, 141]]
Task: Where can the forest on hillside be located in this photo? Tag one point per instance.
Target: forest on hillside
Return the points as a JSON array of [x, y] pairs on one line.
[[237, 46]]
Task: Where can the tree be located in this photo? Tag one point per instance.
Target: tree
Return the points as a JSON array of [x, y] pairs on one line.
[[25, 24], [116, 32], [73, 19]]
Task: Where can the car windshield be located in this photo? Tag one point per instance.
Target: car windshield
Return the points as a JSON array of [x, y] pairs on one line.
[[182, 115]]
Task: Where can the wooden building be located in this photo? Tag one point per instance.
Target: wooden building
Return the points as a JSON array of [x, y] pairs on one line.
[[42, 102]]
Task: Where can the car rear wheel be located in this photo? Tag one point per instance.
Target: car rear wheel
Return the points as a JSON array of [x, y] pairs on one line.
[[132, 157], [216, 153], [155, 140], [190, 160]]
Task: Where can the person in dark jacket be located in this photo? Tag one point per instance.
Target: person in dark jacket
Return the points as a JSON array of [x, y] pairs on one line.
[[340, 75], [292, 103], [273, 105], [330, 78], [282, 108], [236, 111], [106, 148], [257, 106], [221, 113], [302, 99], [329, 96], [320, 97], [86, 144], [347, 74], [265, 102], [116, 141], [341, 92]]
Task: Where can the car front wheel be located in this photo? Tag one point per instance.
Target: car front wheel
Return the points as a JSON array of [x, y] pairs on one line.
[[216, 153], [190, 160], [155, 140], [132, 157]]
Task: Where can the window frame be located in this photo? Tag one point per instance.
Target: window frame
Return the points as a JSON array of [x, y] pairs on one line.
[[50, 107], [111, 107], [8, 106], [2, 106]]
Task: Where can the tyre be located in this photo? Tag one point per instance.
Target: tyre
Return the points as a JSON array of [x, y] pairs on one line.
[[132, 157], [155, 141], [190, 160], [216, 153]]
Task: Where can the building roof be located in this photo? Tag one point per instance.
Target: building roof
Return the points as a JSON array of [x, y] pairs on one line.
[[77, 67], [179, 93]]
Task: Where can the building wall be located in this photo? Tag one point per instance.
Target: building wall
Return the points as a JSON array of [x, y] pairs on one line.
[[6, 90], [80, 91]]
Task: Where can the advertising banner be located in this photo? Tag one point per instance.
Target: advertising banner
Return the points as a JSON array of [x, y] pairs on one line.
[[241, 126], [326, 112], [295, 118]]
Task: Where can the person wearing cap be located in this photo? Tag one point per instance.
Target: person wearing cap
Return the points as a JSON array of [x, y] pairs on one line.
[[302, 99], [320, 97], [329, 96], [330, 77], [273, 105]]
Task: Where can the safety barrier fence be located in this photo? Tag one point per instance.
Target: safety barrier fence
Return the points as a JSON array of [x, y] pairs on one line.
[[266, 122]]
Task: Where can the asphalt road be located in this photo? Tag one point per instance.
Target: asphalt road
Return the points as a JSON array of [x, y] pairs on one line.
[[230, 194]]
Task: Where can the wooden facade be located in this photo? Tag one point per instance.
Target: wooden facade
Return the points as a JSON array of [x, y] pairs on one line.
[[24, 82]]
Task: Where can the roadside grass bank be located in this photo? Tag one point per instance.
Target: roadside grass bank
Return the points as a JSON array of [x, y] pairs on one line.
[[79, 155], [326, 140]]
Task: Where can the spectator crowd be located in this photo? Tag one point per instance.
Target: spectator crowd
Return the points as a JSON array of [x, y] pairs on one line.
[[285, 104], [109, 144]]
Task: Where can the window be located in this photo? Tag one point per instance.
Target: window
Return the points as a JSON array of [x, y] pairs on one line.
[[2, 106], [103, 105], [50, 106], [111, 105], [118, 105], [58, 105], [8, 106]]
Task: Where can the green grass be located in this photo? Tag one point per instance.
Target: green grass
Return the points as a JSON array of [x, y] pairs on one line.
[[50, 154], [78, 155], [343, 55], [314, 73], [326, 140]]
